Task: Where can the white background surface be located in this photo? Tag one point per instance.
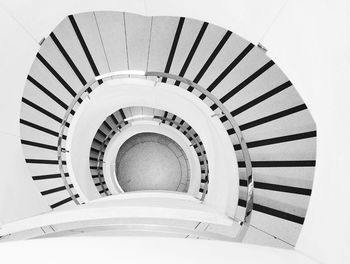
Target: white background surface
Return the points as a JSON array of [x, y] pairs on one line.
[[309, 40], [144, 250]]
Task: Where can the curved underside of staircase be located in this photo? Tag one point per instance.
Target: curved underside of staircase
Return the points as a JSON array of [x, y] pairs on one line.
[[275, 123]]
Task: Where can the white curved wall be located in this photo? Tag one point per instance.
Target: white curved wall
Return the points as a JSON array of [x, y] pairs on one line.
[[19, 197], [150, 250], [245, 19], [313, 50]]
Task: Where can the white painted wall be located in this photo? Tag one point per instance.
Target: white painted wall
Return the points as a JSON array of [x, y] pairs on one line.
[[246, 19], [130, 250], [310, 41], [19, 197]]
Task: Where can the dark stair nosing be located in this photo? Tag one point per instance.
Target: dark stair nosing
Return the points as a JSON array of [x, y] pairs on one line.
[[228, 69], [39, 145], [173, 46], [192, 51], [277, 187], [277, 140], [269, 118], [68, 58], [41, 128], [57, 189], [247, 81], [44, 161], [48, 176], [48, 93], [62, 202], [274, 212], [211, 58], [84, 46], [57, 76], [279, 163], [43, 111]]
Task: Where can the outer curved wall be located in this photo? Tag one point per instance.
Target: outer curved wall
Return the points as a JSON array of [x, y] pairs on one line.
[[319, 66], [19, 198]]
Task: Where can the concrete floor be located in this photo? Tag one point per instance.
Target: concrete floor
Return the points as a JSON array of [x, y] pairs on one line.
[[150, 161]]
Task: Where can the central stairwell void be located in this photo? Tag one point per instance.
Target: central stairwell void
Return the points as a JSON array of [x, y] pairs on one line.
[[149, 161], [238, 135]]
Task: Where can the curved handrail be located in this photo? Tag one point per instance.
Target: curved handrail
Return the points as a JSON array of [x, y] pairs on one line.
[[98, 165], [224, 110], [152, 118], [206, 170], [60, 138], [238, 132]]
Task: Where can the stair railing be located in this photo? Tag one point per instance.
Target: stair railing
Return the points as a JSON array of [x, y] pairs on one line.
[[104, 145], [158, 75]]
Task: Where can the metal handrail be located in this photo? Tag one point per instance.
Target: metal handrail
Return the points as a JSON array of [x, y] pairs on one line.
[[224, 110], [152, 118], [206, 170], [99, 158], [60, 137], [238, 132]]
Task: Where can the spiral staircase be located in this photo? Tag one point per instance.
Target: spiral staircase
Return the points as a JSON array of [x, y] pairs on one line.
[[89, 56]]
